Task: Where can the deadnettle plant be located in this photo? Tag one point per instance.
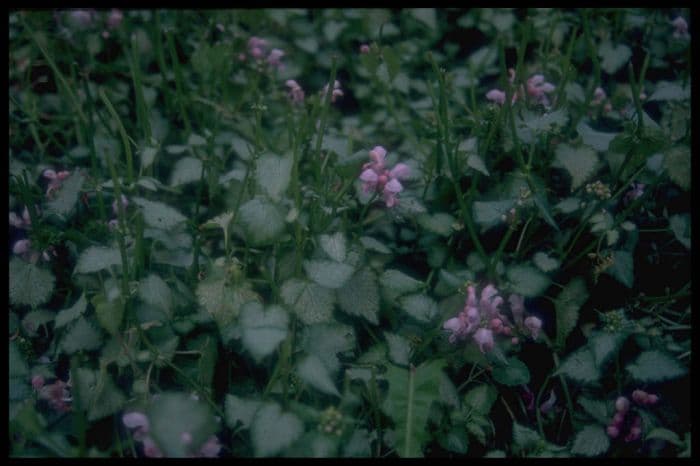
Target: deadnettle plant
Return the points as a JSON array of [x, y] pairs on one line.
[[376, 177]]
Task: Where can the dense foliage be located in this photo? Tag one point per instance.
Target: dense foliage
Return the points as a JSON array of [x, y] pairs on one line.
[[350, 233]]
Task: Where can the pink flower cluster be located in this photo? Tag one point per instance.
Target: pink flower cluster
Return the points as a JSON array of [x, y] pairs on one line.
[[112, 224], [337, 91], [622, 407], [600, 97], [257, 48], [296, 93], [680, 27], [25, 222], [57, 393], [140, 425], [56, 180], [482, 319], [536, 87], [23, 247], [375, 176]]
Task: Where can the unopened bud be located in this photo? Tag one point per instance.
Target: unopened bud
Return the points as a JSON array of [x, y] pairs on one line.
[[622, 404], [613, 431]]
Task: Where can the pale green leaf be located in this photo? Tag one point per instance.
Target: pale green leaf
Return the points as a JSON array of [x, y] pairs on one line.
[[513, 374], [681, 225], [677, 164], [273, 431], [544, 262], [420, 307], [360, 296], [159, 215], [604, 345], [664, 434], [489, 213], [262, 222], [592, 440], [262, 329], [439, 223], [329, 274], [311, 302], [172, 414], [427, 16], [155, 292], [597, 409], [326, 341], [598, 140], [567, 306], [373, 245], [666, 90], [312, 371], [66, 316], [579, 162], [613, 56], [481, 398], [28, 284], [527, 280], [334, 245], [395, 283], [240, 410], [622, 268], [186, 170], [67, 195], [274, 174], [580, 366], [655, 366], [96, 258], [399, 349], [524, 438], [477, 163], [109, 313], [81, 336]]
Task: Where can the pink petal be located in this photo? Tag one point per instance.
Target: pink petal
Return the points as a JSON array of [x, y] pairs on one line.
[[393, 186], [494, 95], [135, 419], [400, 171], [378, 154], [369, 176]]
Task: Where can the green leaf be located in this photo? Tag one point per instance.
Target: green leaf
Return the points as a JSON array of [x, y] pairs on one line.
[[307, 44], [420, 307], [481, 398], [448, 392], [274, 174], [67, 316], [221, 300], [597, 409], [427, 16], [567, 306], [622, 268], [360, 296], [439, 223], [544, 262], [109, 313], [187, 170], [28, 284], [655, 366], [411, 392], [312, 371], [358, 445], [613, 57], [372, 244], [568, 205], [329, 274], [96, 258], [81, 336], [527, 280], [677, 164], [670, 91], [456, 440], [396, 283], [67, 196], [262, 222], [172, 414], [326, 341], [489, 213], [591, 441], [512, 374], [399, 349], [262, 329], [334, 245], [272, 430], [148, 156], [240, 410], [579, 162], [106, 399], [681, 225], [34, 319], [312, 303], [17, 364], [580, 366], [604, 345], [664, 434], [524, 438], [477, 163], [159, 215], [155, 292], [596, 139]]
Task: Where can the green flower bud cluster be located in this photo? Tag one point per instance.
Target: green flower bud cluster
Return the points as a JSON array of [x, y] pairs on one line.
[[601, 190], [330, 422]]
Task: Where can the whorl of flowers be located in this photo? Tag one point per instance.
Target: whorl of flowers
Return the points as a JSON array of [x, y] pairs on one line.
[[481, 318], [257, 48], [536, 87], [376, 177], [337, 91], [296, 93]]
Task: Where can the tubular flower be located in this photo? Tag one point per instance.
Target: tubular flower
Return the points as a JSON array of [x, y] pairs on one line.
[[296, 93], [680, 28], [257, 47], [25, 222], [538, 88], [337, 91], [56, 180], [534, 325], [480, 318], [274, 59], [375, 176]]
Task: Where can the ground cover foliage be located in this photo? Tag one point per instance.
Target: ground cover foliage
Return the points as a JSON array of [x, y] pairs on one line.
[[349, 233]]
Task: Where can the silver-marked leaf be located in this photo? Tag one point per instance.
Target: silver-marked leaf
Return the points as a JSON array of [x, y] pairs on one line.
[[187, 170], [28, 284], [272, 430], [159, 215], [67, 195], [399, 349], [567, 306], [96, 258], [420, 307], [360, 296], [592, 440], [334, 245], [655, 366], [579, 162], [262, 222], [240, 410], [274, 174], [311, 302], [527, 280], [262, 329], [312, 371], [613, 56], [329, 274]]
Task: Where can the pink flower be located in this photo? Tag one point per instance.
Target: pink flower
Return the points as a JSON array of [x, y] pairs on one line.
[[496, 96], [337, 91], [81, 18], [538, 88], [599, 96], [37, 382], [257, 47], [681, 28], [375, 177], [549, 404], [56, 180], [534, 325], [115, 207], [622, 404], [114, 19], [274, 58], [517, 307], [364, 49], [211, 447], [150, 449], [484, 339], [391, 189], [613, 431], [24, 223], [57, 395], [22, 247], [640, 396], [635, 193], [296, 93]]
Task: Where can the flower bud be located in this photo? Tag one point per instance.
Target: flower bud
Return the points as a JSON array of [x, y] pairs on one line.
[[622, 404], [613, 431], [514, 340], [652, 399], [484, 338], [618, 419], [364, 48], [37, 381], [640, 396]]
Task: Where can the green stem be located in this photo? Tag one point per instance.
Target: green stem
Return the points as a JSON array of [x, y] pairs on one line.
[[324, 114], [122, 133]]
